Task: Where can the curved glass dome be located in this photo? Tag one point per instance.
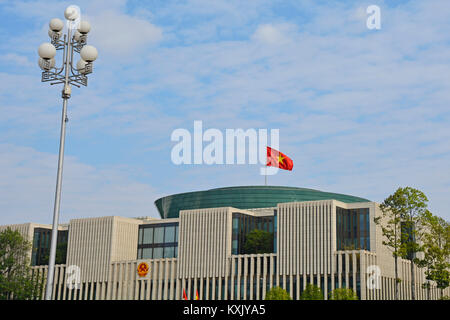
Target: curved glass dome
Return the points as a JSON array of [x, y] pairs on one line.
[[246, 197]]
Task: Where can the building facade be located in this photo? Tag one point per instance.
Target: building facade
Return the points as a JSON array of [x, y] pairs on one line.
[[201, 246]]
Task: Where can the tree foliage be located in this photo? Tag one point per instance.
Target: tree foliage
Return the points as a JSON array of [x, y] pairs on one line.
[[343, 294], [390, 223], [436, 250], [311, 292], [400, 225], [277, 293], [258, 241], [16, 281]]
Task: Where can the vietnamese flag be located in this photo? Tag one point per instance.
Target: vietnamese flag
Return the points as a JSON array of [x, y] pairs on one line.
[[184, 295], [277, 159], [196, 295]]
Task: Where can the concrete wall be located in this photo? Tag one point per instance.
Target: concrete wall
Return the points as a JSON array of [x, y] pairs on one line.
[[95, 243], [105, 250]]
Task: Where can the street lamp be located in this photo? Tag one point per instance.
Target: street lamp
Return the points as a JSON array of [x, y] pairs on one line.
[[68, 74]]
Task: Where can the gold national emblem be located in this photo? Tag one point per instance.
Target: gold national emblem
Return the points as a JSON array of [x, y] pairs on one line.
[[142, 269]]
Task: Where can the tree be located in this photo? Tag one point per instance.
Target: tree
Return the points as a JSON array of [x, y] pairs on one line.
[[402, 231], [258, 241], [436, 250], [390, 224], [16, 280], [412, 204], [311, 292], [277, 293], [343, 294]]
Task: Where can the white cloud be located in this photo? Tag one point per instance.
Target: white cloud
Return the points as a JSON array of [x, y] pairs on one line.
[[271, 34], [120, 34], [360, 112], [114, 31], [27, 186], [16, 59]]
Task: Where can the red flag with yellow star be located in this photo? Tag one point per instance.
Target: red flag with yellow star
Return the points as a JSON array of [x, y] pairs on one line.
[[277, 159]]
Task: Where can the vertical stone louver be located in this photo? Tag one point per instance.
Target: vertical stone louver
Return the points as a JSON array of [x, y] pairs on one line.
[[305, 237], [204, 242], [95, 243]]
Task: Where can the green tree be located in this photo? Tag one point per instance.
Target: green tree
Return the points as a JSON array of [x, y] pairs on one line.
[[343, 294], [277, 293], [436, 251], [311, 292], [258, 241], [16, 280], [412, 204], [400, 224], [390, 224]]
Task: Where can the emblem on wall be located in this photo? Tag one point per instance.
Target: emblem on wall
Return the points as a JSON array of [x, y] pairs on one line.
[[142, 269]]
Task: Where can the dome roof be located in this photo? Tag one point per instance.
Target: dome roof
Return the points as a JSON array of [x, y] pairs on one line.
[[243, 197]]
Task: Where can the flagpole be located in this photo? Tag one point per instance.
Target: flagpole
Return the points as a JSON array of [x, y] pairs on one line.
[[265, 176]]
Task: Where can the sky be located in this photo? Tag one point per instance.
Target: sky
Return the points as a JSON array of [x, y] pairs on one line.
[[360, 111]]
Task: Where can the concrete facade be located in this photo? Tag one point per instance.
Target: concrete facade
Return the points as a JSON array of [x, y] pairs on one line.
[[105, 251]]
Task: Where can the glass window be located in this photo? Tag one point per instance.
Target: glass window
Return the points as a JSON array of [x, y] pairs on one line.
[[351, 231], [169, 234], [147, 253], [169, 252], [159, 235], [235, 223], [157, 253], [36, 239], [148, 235], [367, 221], [176, 233], [46, 239], [176, 252], [141, 231]]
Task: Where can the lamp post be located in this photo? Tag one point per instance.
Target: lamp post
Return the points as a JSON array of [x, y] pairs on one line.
[[68, 74]]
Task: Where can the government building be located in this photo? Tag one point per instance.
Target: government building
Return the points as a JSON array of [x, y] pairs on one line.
[[201, 246]]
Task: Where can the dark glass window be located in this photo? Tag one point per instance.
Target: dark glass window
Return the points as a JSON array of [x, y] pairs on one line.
[[235, 246], [243, 224], [41, 246], [352, 226], [158, 241]]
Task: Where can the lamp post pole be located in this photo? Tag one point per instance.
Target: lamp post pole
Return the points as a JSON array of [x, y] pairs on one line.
[[72, 75]]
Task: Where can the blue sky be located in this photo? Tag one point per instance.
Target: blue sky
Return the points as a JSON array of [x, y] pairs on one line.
[[360, 111]]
